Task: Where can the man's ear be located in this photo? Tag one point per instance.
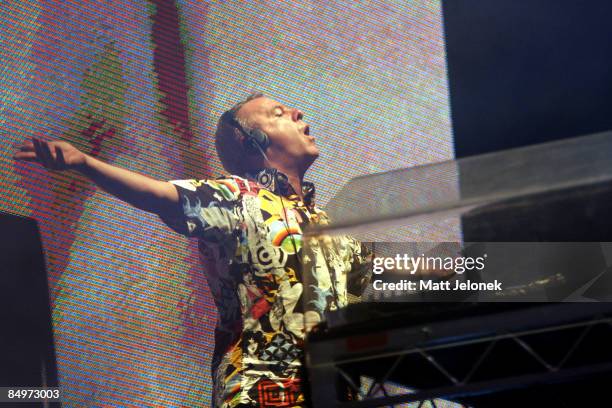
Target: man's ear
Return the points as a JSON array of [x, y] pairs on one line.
[[239, 136], [242, 140]]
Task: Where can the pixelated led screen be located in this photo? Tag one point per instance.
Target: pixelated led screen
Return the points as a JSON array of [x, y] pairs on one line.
[[141, 85]]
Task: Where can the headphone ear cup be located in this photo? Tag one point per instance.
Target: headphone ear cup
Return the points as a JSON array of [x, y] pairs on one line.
[[255, 140], [250, 145], [261, 138]]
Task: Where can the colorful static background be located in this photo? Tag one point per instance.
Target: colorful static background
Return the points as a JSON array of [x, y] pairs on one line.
[[140, 85]]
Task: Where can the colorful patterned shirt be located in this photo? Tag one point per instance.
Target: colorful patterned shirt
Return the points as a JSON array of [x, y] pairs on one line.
[[250, 242]]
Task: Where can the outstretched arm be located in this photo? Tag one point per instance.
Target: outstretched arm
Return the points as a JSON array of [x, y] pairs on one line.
[[159, 197]]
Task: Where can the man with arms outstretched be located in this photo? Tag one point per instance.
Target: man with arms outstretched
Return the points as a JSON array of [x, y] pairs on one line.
[[249, 226]]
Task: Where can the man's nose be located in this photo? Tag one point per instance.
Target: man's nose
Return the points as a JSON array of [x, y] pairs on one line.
[[297, 114]]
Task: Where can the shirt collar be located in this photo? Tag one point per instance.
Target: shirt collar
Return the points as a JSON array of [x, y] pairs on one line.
[[278, 183]]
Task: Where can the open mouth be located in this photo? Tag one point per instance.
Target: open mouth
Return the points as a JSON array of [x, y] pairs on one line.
[[307, 130]]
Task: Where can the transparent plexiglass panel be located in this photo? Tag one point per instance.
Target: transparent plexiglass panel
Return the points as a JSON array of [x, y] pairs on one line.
[[527, 224]]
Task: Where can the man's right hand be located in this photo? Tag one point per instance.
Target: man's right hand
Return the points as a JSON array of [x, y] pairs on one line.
[[54, 155], [159, 197]]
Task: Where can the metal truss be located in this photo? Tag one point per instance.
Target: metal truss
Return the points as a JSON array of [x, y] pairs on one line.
[[456, 385]]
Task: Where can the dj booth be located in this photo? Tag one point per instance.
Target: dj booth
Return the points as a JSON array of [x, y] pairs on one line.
[[532, 326]]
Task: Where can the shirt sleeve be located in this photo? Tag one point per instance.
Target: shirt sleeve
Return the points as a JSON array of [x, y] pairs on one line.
[[206, 209], [361, 268]]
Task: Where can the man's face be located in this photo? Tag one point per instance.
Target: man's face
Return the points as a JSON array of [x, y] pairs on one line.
[[290, 138]]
